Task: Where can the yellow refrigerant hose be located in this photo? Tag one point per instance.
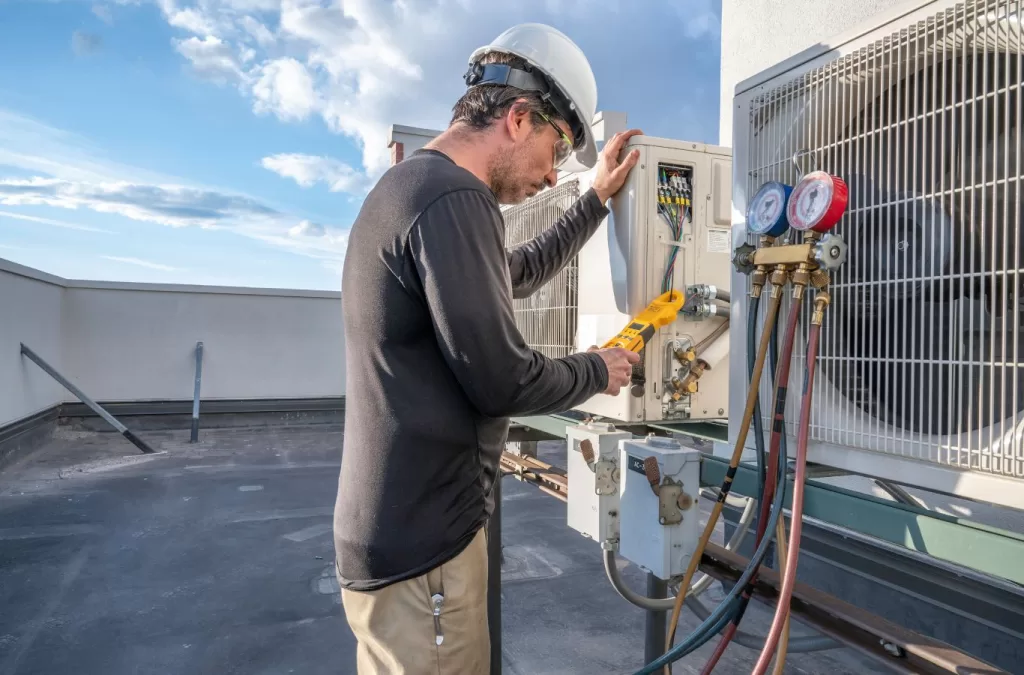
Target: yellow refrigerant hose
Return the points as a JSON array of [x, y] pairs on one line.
[[748, 414]]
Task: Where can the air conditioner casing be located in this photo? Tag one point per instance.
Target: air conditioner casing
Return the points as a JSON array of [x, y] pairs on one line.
[[922, 382], [621, 268]]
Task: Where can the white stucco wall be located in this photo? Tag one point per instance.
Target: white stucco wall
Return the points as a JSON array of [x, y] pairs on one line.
[[30, 312], [757, 34], [136, 342]]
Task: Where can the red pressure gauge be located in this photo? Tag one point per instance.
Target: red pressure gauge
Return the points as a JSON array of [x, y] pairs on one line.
[[817, 202]]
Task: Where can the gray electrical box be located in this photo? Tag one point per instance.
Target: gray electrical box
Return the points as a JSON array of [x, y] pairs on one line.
[[593, 474]]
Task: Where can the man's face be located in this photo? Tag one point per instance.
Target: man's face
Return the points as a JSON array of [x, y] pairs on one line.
[[528, 164]]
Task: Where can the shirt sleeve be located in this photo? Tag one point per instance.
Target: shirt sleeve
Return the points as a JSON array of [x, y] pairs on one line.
[[459, 258], [535, 262]]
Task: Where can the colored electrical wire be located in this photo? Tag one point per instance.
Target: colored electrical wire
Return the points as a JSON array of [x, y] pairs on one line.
[[793, 552], [674, 207], [751, 405]]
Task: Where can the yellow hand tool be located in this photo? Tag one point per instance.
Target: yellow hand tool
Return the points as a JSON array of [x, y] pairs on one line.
[[661, 312]]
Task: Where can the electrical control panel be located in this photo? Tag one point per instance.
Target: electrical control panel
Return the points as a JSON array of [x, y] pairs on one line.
[[593, 477], [669, 229], [658, 504]]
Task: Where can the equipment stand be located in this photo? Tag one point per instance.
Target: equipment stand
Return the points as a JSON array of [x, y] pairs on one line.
[[656, 624], [494, 560]]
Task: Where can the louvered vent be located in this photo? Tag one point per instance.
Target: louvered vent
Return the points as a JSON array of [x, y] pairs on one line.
[[921, 352], [547, 319]]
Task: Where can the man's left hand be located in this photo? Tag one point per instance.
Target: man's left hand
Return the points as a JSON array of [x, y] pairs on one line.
[[611, 172]]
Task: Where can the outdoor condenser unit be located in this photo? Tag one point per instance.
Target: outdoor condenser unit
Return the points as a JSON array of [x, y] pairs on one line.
[[668, 229], [920, 368]]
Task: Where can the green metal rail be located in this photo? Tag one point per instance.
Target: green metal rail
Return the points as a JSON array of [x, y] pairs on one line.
[[988, 550]]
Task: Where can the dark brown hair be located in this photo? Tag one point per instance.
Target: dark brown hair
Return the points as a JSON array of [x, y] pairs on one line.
[[481, 105]]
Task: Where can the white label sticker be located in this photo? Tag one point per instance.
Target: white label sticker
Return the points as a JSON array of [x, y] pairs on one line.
[[719, 240]]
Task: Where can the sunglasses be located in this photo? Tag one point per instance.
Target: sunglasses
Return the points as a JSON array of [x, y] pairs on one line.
[[563, 146]]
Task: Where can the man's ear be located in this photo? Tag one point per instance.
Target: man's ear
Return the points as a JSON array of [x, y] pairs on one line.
[[517, 120]]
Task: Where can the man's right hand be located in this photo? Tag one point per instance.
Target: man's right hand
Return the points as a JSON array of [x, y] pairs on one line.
[[620, 367]]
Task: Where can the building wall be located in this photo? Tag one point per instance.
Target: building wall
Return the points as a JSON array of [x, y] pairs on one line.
[[30, 313], [756, 34], [121, 342]]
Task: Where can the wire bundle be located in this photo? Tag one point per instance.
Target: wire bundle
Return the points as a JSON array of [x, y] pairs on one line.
[[674, 206]]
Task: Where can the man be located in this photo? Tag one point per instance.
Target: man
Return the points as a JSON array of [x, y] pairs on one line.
[[435, 364]]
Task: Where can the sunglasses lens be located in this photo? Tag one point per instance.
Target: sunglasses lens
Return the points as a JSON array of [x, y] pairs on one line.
[[562, 151]]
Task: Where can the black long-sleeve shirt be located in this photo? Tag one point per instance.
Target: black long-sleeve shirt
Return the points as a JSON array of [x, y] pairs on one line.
[[435, 364]]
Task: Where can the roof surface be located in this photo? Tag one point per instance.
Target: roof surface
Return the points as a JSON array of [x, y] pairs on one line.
[[217, 558]]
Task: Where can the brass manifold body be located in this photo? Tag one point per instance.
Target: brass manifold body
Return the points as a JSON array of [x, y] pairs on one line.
[[803, 264]]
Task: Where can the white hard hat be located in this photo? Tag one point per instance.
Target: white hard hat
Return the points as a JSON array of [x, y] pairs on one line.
[[563, 64]]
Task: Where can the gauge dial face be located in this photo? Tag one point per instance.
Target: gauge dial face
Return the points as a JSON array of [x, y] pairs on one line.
[[817, 202], [766, 214]]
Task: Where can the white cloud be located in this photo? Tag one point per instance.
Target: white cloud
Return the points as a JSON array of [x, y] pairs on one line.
[[36, 147], [211, 57], [308, 170], [362, 65], [104, 14], [53, 222], [75, 176], [142, 263], [258, 31], [285, 88], [178, 206], [307, 229]]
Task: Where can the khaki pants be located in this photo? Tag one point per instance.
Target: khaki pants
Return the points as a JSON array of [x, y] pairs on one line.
[[398, 631]]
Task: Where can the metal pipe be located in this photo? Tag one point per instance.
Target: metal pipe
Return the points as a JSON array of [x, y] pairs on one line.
[[656, 621], [110, 419], [195, 398]]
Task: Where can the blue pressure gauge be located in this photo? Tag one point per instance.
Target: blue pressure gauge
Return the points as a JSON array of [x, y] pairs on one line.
[[766, 214]]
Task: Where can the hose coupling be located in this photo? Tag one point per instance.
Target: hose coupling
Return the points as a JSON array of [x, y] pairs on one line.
[[778, 279], [689, 383], [801, 278], [820, 279], [757, 281], [685, 356], [821, 301]]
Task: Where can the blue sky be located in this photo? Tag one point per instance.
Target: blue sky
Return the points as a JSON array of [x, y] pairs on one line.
[[194, 142]]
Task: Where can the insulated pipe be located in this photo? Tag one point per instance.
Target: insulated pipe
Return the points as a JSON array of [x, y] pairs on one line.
[[716, 352]]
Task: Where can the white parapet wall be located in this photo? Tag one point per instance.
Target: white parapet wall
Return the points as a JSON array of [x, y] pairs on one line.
[[30, 312], [136, 342]]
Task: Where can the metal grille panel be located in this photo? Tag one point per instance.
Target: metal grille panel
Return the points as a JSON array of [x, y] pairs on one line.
[[921, 349], [547, 319]]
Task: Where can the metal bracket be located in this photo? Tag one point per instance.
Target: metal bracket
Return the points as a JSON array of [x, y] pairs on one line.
[[671, 498], [607, 477], [668, 503]]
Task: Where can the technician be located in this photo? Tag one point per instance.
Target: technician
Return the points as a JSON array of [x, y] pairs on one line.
[[435, 364]]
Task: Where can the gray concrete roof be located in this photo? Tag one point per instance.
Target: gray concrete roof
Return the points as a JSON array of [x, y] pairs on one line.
[[217, 558]]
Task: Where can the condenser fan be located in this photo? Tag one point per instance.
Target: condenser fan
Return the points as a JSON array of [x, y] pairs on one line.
[[926, 325]]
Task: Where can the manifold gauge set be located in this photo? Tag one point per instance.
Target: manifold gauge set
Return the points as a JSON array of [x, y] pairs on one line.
[[815, 204]]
